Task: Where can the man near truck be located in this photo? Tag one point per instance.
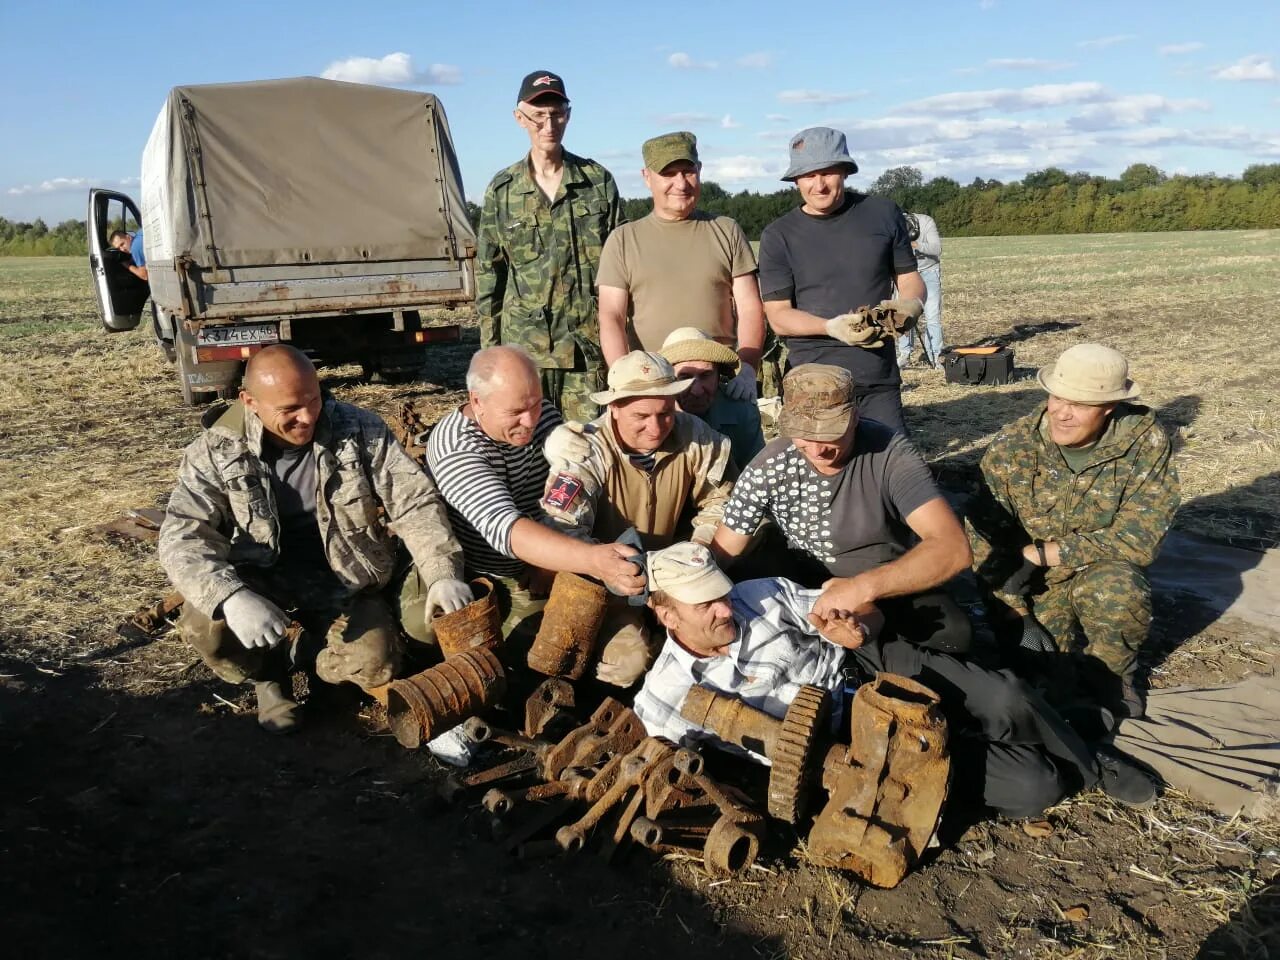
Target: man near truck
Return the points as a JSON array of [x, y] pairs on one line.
[[132, 245], [543, 225], [284, 510]]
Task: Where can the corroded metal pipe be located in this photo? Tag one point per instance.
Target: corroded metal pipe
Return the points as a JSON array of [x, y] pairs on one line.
[[571, 620], [732, 720], [478, 624], [426, 705]]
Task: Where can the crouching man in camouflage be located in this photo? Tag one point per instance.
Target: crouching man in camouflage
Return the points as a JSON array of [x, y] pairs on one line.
[[285, 508], [1076, 500], [649, 466]]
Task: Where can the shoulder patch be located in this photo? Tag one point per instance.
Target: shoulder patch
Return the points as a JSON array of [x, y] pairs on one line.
[[563, 491]]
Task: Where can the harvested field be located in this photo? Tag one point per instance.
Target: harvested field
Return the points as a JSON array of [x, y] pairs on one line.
[[142, 813]]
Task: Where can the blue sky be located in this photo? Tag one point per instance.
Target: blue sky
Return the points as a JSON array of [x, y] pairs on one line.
[[991, 88]]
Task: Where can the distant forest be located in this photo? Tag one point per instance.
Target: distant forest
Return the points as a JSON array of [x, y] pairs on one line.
[[1048, 201]]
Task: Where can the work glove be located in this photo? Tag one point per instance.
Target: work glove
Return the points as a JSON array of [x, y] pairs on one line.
[[704, 533], [899, 316], [1035, 639], [743, 386], [625, 657], [568, 444], [1019, 582], [856, 329], [447, 596], [255, 620]]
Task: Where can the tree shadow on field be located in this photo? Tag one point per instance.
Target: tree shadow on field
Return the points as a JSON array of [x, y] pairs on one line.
[[153, 825], [1252, 932]]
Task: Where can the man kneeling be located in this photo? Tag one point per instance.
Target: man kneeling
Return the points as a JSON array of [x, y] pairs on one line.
[[755, 641]]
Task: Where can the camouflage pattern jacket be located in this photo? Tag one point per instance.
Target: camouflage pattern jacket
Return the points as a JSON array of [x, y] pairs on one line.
[[1118, 507], [223, 514], [536, 263], [687, 489]]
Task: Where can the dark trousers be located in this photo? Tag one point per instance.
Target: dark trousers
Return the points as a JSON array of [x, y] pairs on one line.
[[884, 406], [1009, 748]]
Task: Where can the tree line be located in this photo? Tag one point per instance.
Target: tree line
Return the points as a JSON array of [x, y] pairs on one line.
[[1141, 199]]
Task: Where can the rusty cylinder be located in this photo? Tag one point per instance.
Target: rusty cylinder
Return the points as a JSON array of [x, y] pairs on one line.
[[478, 624], [423, 706], [731, 720], [571, 619]]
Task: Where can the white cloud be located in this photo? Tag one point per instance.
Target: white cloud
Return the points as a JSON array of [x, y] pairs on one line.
[[1101, 43], [395, 70], [777, 117], [682, 61], [1131, 110], [1028, 63], [740, 168], [728, 123], [760, 60], [684, 119], [55, 185], [818, 96], [1026, 98], [1178, 49], [1253, 67]]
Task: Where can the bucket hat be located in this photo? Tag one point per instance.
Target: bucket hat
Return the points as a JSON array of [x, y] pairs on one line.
[[816, 148], [690, 343], [1089, 373], [640, 374]]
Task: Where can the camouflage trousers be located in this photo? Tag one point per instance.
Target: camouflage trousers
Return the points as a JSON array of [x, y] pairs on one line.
[[1110, 603], [570, 391]]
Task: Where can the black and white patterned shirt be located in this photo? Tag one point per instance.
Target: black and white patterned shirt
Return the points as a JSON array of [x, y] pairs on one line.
[[488, 486]]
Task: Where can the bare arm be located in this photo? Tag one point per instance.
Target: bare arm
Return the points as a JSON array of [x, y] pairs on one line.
[[727, 545], [139, 272], [746, 300], [540, 546], [910, 285], [943, 551], [613, 323], [789, 321]]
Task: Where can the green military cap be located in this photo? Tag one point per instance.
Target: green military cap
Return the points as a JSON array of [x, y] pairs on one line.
[[662, 151]]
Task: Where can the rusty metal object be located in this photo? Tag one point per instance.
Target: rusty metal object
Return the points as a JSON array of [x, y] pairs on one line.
[[789, 743], [478, 624], [549, 699], [426, 705], [412, 429], [453, 787], [154, 619], [480, 731], [886, 791], [631, 773], [731, 846], [566, 640], [613, 729]]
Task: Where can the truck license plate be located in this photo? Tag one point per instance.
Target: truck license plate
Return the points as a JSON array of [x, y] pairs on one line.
[[245, 333]]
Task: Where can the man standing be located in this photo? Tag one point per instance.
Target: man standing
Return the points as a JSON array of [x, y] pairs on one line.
[[680, 267], [709, 366], [927, 243], [544, 223], [850, 496], [1077, 498], [649, 466], [838, 252], [288, 502]]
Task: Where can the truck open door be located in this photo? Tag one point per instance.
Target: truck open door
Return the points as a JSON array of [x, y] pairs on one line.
[[121, 295]]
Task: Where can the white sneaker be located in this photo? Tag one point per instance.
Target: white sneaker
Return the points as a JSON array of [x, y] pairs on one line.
[[452, 747]]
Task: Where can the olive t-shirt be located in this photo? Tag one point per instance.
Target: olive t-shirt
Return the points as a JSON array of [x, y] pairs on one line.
[[850, 522], [678, 273]]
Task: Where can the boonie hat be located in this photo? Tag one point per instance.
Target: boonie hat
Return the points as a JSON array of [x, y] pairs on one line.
[[688, 572], [640, 374], [817, 402], [816, 148], [690, 343], [661, 151], [541, 83], [1089, 373]]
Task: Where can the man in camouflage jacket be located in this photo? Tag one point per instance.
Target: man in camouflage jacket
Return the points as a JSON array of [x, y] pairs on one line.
[[244, 543], [543, 225], [1075, 502]]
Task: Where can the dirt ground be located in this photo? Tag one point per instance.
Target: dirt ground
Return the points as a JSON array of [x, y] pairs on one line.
[[142, 813]]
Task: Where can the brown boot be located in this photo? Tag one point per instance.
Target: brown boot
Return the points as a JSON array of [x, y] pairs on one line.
[[276, 712]]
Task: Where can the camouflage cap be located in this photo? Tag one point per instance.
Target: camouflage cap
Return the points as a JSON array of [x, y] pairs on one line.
[[688, 572], [817, 402], [662, 151]]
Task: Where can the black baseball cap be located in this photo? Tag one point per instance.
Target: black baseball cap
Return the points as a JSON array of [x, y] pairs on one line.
[[540, 83]]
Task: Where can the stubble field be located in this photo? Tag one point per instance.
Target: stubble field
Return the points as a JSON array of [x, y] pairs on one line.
[[142, 813]]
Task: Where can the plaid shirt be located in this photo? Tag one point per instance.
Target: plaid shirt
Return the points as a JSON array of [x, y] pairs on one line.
[[777, 652]]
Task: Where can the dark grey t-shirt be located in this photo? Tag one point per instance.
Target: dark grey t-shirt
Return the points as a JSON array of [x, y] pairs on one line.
[[830, 265], [852, 521], [293, 481]]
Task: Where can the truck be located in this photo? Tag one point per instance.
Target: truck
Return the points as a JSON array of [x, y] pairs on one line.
[[323, 214]]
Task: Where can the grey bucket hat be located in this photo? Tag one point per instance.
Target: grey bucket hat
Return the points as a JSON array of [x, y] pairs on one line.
[[816, 148]]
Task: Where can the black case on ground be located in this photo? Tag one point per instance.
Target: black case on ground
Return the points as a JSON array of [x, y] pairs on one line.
[[978, 369]]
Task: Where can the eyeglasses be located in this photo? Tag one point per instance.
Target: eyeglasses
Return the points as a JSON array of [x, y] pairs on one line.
[[542, 118]]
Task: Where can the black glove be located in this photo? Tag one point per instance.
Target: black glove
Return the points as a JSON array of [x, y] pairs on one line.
[[1019, 582], [1035, 639]]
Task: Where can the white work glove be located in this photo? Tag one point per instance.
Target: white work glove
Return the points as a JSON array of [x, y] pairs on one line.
[[568, 444], [447, 596], [624, 658], [907, 312], [855, 329], [255, 620], [743, 386], [704, 533]]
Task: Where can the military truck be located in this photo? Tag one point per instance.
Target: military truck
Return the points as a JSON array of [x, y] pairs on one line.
[[324, 214]]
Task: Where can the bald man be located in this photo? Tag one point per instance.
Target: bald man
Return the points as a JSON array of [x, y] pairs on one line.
[[284, 510]]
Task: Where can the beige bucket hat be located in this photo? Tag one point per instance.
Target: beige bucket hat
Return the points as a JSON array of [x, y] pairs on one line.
[[1089, 373], [690, 343], [817, 402], [641, 374], [688, 572]]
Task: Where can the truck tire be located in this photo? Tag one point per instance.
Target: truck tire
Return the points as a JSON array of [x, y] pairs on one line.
[[163, 338]]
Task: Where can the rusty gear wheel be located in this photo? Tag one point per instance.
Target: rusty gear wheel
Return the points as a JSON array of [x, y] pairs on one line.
[[791, 776]]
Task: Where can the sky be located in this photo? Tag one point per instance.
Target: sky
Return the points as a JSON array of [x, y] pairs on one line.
[[964, 89]]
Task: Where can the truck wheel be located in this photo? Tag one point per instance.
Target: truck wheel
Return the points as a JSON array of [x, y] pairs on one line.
[[163, 338]]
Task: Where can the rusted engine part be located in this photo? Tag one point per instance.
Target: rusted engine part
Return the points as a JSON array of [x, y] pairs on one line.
[[552, 698], [887, 789], [727, 847], [612, 731], [454, 787], [571, 619], [631, 772], [789, 743], [481, 731], [501, 802], [412, 429], [478, 624], [427, 704], [152, 620]]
